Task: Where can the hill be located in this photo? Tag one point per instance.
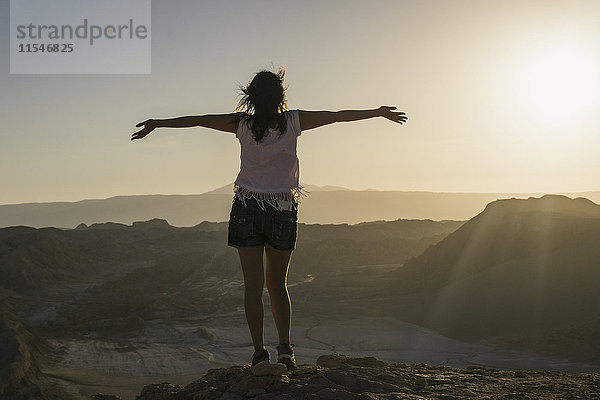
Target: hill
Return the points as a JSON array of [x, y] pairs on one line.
[[523, 273]]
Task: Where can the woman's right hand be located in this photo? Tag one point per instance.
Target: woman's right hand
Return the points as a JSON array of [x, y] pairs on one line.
[[394, 116], [149, 126]]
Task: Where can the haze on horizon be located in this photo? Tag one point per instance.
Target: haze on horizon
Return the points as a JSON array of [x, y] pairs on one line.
[[501, 97]]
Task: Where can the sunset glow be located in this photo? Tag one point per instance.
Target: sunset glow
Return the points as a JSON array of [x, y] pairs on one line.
[[558, 84], [502, 97]]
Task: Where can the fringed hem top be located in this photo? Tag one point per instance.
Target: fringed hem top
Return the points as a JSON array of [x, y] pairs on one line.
[[269, 170]]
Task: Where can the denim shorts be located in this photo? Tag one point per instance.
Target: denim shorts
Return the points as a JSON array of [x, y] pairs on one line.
[[251, 226]]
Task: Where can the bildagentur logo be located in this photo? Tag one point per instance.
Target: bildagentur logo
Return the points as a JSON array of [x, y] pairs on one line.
[[91, 32], [80, 37]]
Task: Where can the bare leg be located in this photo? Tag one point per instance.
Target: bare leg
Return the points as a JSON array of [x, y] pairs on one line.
[[252, 266], [277, 268]]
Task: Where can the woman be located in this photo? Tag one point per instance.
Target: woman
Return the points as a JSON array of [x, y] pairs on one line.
[[263, 215]]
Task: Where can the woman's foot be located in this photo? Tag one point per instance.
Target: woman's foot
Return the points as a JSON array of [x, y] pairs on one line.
[[260, 356], [285, 355]]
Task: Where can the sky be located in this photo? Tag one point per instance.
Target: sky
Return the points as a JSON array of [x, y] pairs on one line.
[[501, 97]]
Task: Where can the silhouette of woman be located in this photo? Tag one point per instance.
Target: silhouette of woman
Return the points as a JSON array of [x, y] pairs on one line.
[[267, 191]]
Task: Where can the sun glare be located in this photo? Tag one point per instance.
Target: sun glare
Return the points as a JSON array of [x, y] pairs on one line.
[[559, 84]]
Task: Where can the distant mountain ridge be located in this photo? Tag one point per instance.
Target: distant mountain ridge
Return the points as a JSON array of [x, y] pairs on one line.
[[327, 204]]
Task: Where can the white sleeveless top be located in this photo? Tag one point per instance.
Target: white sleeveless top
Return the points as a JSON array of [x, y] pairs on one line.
[[269, 170]]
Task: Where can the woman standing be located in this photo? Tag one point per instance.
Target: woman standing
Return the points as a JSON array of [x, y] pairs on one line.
[[267, 190]]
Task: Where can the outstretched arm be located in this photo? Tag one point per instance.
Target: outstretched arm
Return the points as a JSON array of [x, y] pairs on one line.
[[315, 119], [220, 122]]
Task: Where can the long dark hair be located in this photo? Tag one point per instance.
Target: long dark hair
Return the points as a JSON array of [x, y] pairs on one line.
[[263, 103]]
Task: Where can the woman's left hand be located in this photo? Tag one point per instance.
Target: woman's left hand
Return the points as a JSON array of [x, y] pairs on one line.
[[394, 116]]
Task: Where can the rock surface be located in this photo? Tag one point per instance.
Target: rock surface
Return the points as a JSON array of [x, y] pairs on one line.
[[264, 369], [101, 396], [339, 377]]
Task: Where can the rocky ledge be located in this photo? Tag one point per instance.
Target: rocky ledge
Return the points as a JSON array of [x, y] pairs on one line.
[[336, 376]]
